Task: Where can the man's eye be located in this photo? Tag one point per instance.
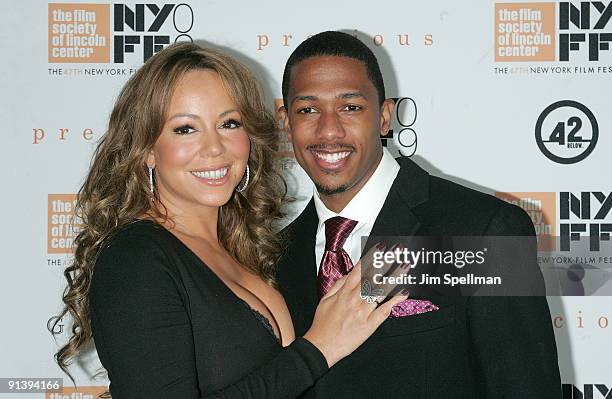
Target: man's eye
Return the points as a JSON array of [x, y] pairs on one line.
[[185, 129], [306, 110], [231, 124], [352, 107]]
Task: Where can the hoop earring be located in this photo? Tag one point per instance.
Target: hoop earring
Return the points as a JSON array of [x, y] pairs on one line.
[[151, 179], [246, 181]]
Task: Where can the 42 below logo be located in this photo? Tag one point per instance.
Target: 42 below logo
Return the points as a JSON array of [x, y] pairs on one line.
[[566, 132]]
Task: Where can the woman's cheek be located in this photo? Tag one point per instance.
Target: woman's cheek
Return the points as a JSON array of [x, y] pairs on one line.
[[178, 153], [241, 145]]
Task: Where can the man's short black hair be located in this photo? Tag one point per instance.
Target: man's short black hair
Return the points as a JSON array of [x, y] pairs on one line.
[[334, 43]]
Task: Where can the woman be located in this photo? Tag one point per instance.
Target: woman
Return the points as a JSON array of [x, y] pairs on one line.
[[178, 208]]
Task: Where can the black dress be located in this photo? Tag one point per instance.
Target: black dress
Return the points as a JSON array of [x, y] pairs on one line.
[[165, 326]]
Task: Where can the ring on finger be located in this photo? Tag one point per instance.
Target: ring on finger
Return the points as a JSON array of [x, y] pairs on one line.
[[369, 298], [369, 294]]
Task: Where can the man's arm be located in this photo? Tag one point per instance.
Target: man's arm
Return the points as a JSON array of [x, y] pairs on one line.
[[513, 337]]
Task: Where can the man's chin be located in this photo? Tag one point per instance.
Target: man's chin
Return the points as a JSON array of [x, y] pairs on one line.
[[327, 190]]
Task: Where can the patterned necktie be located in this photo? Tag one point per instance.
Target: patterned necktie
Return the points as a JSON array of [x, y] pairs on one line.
[[336, 262]]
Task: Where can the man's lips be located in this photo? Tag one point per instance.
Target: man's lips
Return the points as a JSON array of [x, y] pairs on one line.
[[331, 160]]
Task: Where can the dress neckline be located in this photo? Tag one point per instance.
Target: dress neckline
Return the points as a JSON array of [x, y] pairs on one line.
[[258, 316], [262, 319]]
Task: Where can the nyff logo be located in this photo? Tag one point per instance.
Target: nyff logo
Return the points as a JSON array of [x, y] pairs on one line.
[[145, 28], [575, 210], [588, 391], [584, 23]]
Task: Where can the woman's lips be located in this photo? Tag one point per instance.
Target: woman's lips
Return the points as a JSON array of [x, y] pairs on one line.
[[213, 177]]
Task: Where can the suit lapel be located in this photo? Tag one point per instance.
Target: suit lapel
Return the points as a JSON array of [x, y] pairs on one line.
[[396, 218], [303, 289]]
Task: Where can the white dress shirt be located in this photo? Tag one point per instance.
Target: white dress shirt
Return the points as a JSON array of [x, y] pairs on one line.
[[364, 208]]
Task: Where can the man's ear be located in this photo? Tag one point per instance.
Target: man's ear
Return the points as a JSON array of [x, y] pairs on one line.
[[284, 117], [386, 111]]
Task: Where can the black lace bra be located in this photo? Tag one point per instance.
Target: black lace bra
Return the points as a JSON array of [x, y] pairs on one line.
[[263, 319]]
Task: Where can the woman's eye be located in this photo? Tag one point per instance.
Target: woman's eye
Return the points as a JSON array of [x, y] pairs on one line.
[[231, 124], [306, 110], [185, 129], [352, 107]]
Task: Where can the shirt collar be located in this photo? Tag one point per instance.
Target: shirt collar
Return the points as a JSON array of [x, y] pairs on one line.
[[367, 203]]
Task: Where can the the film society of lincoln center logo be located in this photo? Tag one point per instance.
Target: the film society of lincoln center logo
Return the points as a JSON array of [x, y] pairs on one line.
[[553, 31], [541, 208], [63, 226], [90, 33], [79, 392], [566, 132]]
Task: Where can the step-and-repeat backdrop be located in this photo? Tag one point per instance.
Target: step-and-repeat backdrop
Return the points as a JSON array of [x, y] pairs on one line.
[[509, 98]]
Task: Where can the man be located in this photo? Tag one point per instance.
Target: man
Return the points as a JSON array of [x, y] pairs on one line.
[[439, 347]]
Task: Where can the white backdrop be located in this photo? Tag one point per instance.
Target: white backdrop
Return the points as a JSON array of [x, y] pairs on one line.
[[469, 114]]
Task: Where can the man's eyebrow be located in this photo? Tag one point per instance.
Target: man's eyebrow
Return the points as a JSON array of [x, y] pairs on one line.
[[355, 94], [303, 98], [344, 96]]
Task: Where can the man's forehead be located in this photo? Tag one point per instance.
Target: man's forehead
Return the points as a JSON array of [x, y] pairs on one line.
[[334, 75], [328, 63]]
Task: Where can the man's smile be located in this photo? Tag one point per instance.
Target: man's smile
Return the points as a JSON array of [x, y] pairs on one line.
[[331, 160]]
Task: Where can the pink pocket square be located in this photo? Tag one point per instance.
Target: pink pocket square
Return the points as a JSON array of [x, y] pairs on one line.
[[412, 306]]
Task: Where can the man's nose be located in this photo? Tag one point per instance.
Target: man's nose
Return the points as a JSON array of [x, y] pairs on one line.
[[330, 127]]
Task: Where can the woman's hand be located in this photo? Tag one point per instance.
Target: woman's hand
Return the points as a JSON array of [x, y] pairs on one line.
[[343, 320]]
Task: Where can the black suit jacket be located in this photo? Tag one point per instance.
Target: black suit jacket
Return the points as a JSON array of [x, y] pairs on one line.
[[472, 347]]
